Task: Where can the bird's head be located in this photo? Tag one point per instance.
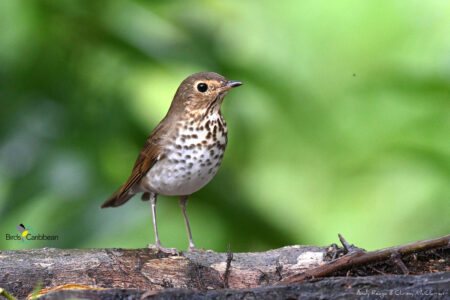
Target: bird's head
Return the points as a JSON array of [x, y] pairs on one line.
[[202, 93]]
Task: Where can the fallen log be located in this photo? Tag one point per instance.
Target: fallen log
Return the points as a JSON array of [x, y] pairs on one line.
[[284, 271], [428, 286]]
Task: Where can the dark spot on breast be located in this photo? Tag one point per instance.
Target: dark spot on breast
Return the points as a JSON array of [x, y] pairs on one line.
[[201, 155], [182, 169], [204, 142], [178, 146], [175, 161], [183, 140], [194, 136], [207, 125], [191, 128], [208, 136], [221, 146], [187, 156], [210, 171], [211, 152], [215, 129], [216, 156], [190, 165], [202, 165], [188, 173]]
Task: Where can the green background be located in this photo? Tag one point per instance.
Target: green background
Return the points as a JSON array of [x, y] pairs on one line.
[[341, 126]]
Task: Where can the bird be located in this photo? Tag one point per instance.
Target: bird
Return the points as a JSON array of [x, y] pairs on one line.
[[23, 231], [184, 151]]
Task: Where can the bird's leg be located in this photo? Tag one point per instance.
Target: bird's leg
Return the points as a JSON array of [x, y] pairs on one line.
[[183, 201], [155, 225], [158, 245]]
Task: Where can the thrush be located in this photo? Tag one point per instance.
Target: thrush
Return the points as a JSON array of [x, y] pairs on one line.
[[185, 150]]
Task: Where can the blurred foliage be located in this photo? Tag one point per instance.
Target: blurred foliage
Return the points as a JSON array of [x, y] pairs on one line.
[[342, 124]]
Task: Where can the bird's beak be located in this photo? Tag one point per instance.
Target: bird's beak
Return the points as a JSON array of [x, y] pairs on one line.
[[231, 84]]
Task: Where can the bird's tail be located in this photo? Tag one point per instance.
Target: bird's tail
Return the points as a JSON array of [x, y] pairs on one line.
[[117, 199]]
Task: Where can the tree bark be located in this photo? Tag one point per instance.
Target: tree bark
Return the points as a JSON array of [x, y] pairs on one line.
[[280, 273], [428, 286]]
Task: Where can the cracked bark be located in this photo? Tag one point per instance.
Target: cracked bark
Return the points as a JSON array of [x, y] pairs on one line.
[[141, 272]]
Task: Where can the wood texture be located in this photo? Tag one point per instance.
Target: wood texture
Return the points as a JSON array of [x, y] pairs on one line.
[[22, 270], [288, 272], [428, 286]]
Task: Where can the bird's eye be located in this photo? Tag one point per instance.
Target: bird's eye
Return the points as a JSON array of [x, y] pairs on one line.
[[202, 87]]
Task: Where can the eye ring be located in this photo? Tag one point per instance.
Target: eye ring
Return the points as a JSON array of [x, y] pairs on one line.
[[202, 87]]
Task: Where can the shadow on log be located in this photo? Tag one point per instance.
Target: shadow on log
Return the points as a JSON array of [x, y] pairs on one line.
[[289, 272]]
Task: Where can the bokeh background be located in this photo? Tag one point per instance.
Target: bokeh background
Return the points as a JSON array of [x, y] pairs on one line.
[[342, 125]]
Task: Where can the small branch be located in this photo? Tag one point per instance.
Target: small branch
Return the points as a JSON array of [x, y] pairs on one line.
[[399, 262], [228, 267], [347, 247], [6, 295], [358, 258]]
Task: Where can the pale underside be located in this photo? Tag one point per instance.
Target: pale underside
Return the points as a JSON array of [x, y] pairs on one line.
[[190, 161]]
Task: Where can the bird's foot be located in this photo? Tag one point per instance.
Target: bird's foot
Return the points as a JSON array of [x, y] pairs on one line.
[[193, 249], [162, 249]]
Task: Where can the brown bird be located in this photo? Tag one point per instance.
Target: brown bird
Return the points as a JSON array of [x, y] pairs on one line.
[[185, 150]]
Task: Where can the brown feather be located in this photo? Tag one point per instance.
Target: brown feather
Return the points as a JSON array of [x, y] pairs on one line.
[[150, 153], [185, 102]]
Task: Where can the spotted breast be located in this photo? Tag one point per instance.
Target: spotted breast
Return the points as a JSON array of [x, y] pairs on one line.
[[192, 157]]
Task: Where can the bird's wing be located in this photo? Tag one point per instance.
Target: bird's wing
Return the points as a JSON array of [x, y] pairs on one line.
[[150, 154]]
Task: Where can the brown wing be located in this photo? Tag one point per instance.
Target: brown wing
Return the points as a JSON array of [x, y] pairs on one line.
[[149, 155]]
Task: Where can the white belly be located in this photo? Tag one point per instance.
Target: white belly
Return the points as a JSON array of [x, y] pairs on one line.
[[186, 170]]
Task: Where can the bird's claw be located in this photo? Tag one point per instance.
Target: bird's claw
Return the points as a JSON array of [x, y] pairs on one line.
[[162, 249], [193, 249]]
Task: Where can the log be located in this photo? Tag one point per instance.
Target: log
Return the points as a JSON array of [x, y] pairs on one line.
[[22, 270], [279, 273], [428, 286]]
